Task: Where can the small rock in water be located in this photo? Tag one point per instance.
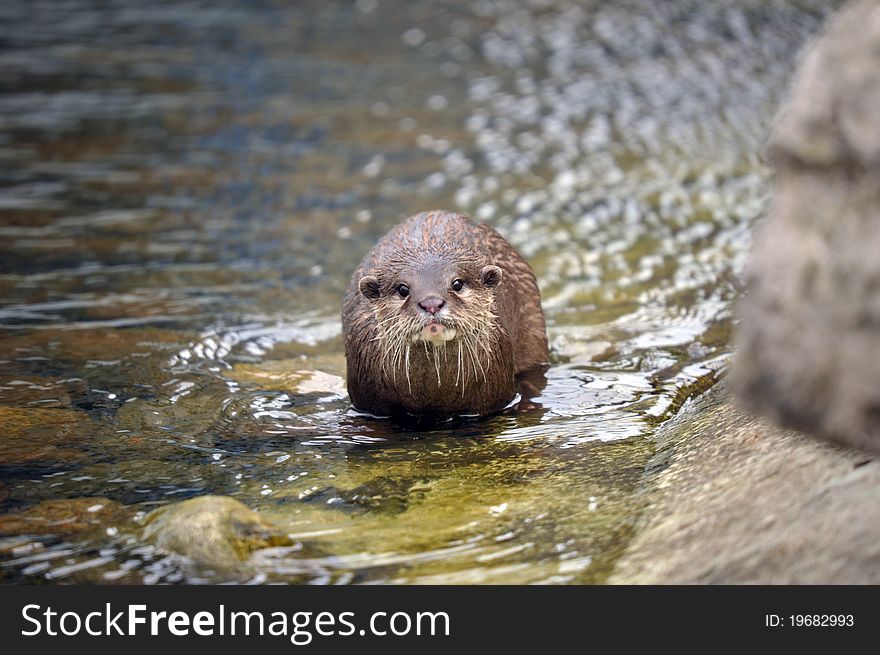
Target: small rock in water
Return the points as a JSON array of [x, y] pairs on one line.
[[212, 530]]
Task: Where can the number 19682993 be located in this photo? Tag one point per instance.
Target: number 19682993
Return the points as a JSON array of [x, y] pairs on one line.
[[809, 620]]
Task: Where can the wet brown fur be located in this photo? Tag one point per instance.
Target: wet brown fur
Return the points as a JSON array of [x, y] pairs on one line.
[[500, 331]]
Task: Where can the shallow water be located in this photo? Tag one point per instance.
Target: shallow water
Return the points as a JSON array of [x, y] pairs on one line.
[[185, 190]]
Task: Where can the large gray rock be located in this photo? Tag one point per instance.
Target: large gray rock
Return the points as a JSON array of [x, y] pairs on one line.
[[809, 338]]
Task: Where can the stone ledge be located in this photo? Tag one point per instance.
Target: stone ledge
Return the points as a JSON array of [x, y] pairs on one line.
[[740, 501]]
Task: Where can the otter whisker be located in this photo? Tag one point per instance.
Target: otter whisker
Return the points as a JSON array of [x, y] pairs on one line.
[[458, 368], [437, 365], [408, 381]]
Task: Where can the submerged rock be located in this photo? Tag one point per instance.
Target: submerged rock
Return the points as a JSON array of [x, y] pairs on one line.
[[44, 392], [49, 436], [382, 494], [212, 530], [68, 516], [92, 345], [288, 375], [809, 339]]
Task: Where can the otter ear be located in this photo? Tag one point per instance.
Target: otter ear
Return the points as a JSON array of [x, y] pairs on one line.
[[369, 286], [490, 276]]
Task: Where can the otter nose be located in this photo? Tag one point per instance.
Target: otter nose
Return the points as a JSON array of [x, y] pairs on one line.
[[432, 305]]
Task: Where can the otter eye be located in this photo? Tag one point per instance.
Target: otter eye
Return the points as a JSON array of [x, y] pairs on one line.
[[403, 290], [457, 285]]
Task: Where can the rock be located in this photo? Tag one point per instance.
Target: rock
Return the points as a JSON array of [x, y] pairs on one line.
[[288, 375], [738, 500], [382, 494], [212, 530], [42, 392], [44, 435], [66, 517], [809, 336], [831, 116], [194, 413], [92, 345]]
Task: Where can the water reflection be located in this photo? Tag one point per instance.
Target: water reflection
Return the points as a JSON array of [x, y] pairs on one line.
[[185, 190]]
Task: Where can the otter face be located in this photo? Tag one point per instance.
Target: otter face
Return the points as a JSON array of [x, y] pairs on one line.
[[433, 300], [434, 311], [439, 303]]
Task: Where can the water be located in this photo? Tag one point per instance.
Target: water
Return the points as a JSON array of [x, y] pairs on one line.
[[185, 189]]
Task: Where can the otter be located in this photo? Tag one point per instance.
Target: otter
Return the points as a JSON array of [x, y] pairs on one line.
[[441, 318]]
